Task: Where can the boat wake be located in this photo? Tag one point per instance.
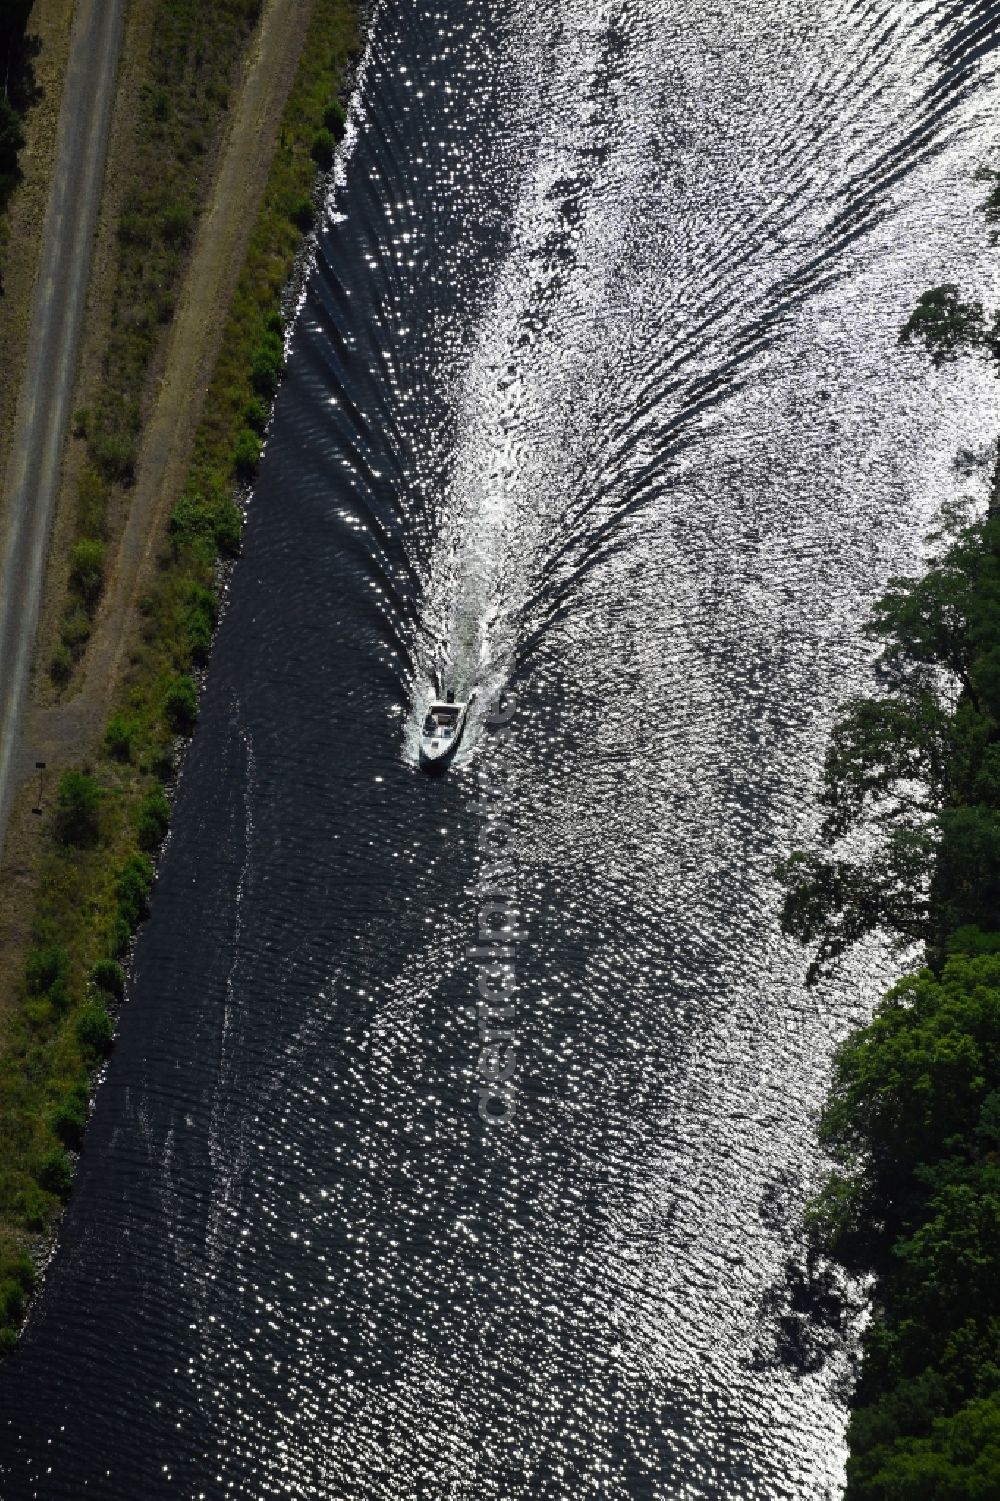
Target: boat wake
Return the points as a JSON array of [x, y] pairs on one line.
[[471, 598], [519, 398]]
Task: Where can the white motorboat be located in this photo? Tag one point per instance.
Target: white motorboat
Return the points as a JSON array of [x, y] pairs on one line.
[[441, 731]]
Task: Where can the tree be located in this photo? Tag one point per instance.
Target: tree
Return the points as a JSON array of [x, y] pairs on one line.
[[966, 882], [913, 1124], [831, 903], [944, 324], [916, 769], [958, 1460]]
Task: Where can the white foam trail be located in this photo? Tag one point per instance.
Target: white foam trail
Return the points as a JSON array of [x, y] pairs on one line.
[[517, 394]]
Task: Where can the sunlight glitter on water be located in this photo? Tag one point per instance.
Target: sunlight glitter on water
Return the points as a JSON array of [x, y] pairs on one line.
[[596, 391]]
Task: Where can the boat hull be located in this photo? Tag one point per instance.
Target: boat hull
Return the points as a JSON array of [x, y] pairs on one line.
[[437, 751]]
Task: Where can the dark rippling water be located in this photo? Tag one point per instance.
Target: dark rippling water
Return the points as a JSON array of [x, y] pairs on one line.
[[595, 391]]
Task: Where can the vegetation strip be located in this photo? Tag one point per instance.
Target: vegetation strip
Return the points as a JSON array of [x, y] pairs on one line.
[[15, 93], [111, 815], [913, 1117], [195, 54]]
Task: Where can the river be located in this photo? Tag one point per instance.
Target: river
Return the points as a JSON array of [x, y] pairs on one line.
[[594, 402]]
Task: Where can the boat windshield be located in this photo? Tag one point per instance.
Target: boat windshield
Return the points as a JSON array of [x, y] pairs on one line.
[[440, 717]]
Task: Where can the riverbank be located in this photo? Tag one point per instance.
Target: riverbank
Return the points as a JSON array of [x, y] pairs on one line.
[[152, 617], [912, 1121]]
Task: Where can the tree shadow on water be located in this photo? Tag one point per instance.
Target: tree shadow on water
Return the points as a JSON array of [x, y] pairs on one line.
[[811, 1312]]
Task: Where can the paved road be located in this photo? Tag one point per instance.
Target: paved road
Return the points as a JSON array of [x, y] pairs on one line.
[[32, 478]]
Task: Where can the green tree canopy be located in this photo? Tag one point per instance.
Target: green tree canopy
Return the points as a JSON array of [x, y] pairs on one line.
[[944, 324], [913, 1123], [910, 840]]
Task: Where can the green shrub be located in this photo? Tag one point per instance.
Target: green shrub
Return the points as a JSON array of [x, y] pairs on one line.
[[228, 525], [119, 935], [61, 665], [78, 803], [38, 1012], [113, 452], [322, 148], [44, 967], [190, 521], [86, 570], [22, 1269], [12, 1301], [55, 1173], [75, 631], [154, 818], [108, 975], [135, 230], [91, 500], [134, 887], [246, 455], [69, 1119], [303, 213], [335, 119], [33, 1207], [255, 414], [198, 634], [267, 363], [59, 995], [176, 225], [199, 622], [120, 736], [96, 1031], [180, 705]]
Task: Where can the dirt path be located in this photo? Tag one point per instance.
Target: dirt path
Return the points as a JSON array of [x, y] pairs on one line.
[[32, 474], [66, 731]]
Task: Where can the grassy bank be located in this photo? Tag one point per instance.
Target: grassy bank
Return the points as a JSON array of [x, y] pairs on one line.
[[913, 1118], [194, 55], [111, 814]]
